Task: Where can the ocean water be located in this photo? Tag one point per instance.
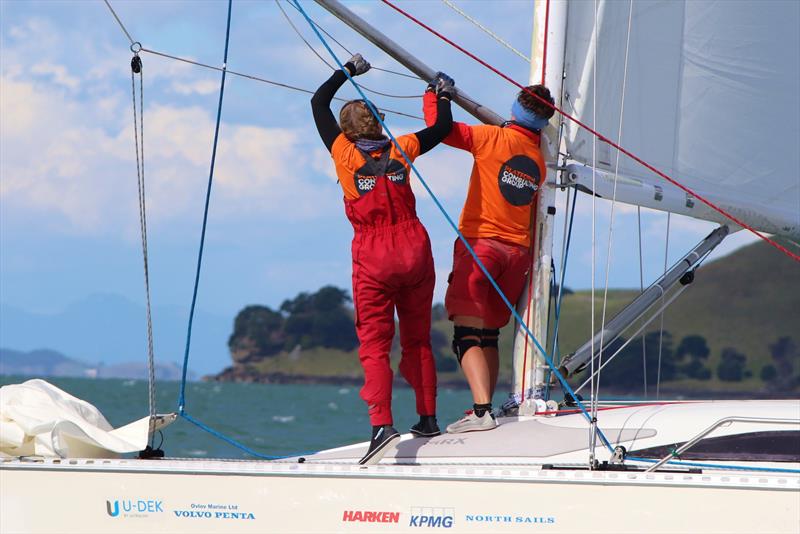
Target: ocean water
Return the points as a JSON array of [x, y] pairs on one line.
[[270, 419]]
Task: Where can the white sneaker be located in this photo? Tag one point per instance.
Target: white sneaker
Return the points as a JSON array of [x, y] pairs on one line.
[[471, 423]]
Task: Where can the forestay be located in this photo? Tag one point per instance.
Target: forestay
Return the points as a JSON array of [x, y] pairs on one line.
[[711, 99]]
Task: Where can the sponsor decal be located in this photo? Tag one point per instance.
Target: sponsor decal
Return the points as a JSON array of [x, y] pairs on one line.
[[519, 180], [369, 516], [427, 517], [134, 507], [214, 511], [365, 182], [509, 519]]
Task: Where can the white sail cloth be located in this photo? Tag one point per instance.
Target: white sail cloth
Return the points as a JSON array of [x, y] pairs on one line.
[[39, 419], [711, 98]]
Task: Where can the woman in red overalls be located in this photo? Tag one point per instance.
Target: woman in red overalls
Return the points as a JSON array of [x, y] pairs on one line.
[[392, 260]]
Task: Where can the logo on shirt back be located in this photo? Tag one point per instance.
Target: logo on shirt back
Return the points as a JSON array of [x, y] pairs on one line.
[[365, 182], [519, 180]]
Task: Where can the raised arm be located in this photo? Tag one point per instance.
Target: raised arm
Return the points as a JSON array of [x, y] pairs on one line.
[[435, 133], [326, 123], [460, 135]]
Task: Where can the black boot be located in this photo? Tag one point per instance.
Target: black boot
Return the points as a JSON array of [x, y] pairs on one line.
[[426, 428], [384, 438]]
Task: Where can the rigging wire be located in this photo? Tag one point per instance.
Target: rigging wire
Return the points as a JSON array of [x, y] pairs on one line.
[[121, 25], [300, 35], [264, 80], [485, 30], [641, 328], [661, 328], [343, 47], [613, 197], [453, 225], [598, 135], [243, 75], [138, 137]]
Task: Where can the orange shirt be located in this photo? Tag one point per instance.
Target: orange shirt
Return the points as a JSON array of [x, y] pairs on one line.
[[349, 161], [508, 169]]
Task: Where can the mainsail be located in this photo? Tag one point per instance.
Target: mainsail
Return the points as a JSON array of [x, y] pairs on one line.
[[711, 99]]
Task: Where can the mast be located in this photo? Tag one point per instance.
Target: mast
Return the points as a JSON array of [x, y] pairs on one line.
[[529, 368], [405, 58]]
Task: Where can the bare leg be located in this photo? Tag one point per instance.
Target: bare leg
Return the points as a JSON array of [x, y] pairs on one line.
[[475, 365], [493, 361]]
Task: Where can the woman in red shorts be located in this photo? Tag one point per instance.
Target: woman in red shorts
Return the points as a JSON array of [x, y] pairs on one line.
[[496, 220]]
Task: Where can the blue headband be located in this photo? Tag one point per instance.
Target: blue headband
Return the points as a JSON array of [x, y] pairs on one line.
[[529, 119]]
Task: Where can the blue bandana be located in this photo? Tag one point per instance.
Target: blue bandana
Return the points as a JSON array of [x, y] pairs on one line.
[[371, 145], [527, 118]]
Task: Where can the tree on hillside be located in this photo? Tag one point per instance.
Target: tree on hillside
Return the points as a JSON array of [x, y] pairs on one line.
[[257, 333], [697, 350], [695, 346], [319, 319], [784, 352], [731, 367]]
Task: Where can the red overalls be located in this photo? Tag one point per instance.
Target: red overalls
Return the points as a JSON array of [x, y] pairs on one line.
[[392, 268]]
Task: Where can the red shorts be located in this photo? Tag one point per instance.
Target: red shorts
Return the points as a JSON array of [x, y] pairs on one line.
[[470, 293]]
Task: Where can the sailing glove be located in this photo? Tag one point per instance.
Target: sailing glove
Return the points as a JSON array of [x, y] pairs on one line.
[[357, 65], [442, 85]]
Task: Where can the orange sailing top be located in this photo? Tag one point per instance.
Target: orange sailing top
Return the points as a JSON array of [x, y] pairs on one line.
[[508, 169], [349, 163]]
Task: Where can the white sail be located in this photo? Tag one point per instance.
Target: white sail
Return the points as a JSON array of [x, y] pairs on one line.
[[711, 99]]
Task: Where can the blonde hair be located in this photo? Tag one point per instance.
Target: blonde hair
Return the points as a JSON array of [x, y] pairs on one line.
[[358, 122]]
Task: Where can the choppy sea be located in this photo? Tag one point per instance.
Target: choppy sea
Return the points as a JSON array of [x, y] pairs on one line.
[[270, 419]]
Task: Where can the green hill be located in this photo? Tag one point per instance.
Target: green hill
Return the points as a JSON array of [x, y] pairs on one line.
[[746, 301]]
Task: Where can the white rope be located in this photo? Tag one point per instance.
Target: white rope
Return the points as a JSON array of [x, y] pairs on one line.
[[486, 30], [593, 432], [661, 329], [641, 290], [614, 198]]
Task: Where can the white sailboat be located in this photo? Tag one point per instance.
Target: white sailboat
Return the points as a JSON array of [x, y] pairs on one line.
[[729, 466]]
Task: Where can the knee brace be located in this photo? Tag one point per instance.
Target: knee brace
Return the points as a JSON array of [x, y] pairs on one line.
[[489, 337], [464, 338]]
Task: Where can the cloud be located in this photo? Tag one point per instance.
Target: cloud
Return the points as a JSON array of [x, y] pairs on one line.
[[200, 87]]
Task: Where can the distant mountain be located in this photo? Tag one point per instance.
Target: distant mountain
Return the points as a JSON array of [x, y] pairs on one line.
[[48, 363], [111, 329], [41, 362]]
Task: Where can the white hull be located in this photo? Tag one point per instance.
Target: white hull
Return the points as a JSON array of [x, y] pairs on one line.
[[205, 496], [477, 482]]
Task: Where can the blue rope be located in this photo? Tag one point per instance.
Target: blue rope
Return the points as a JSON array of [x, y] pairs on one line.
[[480, 264], [182, 396], [717, 466], [235, 443]]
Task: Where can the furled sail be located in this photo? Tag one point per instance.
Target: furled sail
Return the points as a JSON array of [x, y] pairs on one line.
[[711, 99]]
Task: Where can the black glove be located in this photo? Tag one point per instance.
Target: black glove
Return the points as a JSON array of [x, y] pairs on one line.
[[357, 65], [442, 85]]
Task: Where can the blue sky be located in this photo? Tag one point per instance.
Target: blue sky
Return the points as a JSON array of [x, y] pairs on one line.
[[68, 208]]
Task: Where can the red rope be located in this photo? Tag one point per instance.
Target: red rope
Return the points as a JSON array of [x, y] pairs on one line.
[[603, 138]]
